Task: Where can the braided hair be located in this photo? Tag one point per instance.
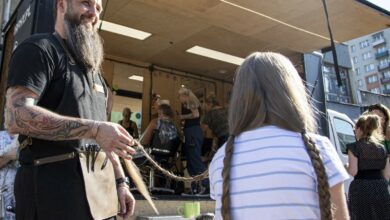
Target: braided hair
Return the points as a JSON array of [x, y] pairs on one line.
[[255, 103]]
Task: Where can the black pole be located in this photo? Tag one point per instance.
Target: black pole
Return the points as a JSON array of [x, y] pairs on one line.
[[336, 63]]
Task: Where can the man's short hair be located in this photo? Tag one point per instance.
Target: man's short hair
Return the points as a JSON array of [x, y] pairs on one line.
[[166, 110]]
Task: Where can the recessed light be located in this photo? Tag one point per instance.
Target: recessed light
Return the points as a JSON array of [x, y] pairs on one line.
[[202, 51], [137, 78], [123, 30]]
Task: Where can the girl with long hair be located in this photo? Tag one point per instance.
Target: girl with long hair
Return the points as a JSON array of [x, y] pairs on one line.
[[384, 114], [273, 166], [193, 138], [369, 197]]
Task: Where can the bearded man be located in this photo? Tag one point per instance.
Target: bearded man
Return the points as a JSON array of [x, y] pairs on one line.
[[56, 99]]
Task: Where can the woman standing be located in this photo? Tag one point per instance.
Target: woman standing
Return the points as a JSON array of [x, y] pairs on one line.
[[384, 114], [129, 125], [193, 137], [369, 197], [272, 166]]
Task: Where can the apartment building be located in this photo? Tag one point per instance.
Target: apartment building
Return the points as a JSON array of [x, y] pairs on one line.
[[371, 62], [333, 91]]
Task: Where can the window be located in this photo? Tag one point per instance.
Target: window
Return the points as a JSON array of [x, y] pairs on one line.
[[366, 56], [383, 62], [377, 36], [386, 74], [344, 132], [375, 90], [360, 83], [381, 49], [372, 79], [364, 44], [353, 48], [355, 60], [370, 67], [357, 71], [387, 86]]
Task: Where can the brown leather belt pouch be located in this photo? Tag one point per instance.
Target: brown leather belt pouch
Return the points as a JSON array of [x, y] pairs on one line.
[[99, 181]]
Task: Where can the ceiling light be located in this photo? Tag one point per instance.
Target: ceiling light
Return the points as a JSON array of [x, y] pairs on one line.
[[137, 78], [202, 51], [123, 30]]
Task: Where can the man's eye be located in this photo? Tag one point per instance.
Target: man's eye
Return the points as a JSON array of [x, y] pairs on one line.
[[86, 3]]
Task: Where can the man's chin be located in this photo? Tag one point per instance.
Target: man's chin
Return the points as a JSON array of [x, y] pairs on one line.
[[87, 25]]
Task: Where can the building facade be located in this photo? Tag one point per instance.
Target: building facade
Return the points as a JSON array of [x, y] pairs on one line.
[[371, 62], [333, 91]]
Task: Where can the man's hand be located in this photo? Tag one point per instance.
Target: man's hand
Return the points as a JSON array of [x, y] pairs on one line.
[[112, 137], [126, 200]]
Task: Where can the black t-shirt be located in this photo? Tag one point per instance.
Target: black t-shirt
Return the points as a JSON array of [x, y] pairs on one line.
[[189, 122], [41, 64]]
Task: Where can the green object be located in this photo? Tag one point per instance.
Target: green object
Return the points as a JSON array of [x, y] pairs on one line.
[[116, 116], [386, 143], [189, 209]]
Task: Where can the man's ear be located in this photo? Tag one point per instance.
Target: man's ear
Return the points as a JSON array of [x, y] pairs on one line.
[[61, 6]]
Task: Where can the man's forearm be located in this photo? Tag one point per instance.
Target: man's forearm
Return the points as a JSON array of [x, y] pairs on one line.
[[38, 122]]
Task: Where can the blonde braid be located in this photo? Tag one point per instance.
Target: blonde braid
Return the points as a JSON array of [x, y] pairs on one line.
[[322, 178], [226, 203]]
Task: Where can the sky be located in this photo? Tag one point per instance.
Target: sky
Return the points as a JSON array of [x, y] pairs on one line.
[[385, 4]]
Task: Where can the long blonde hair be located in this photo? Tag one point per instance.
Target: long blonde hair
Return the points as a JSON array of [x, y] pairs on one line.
[[193, 101], [268, 91]]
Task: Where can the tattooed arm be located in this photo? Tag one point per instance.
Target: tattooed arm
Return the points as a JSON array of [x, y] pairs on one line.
[[24, 117]]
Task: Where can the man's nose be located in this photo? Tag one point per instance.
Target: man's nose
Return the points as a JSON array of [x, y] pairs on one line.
[[93, 13]]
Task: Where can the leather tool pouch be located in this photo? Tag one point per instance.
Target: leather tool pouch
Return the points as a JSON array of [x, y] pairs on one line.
[[100, 187]]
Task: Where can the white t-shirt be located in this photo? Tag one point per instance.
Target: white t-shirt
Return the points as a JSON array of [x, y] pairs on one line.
[[272, 176]]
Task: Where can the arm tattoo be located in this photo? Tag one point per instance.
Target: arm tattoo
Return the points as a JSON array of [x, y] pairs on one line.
[[26, 118]]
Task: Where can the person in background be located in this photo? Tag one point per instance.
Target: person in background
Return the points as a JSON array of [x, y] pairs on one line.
[[8, 165], [368, 195], [273, 166], [154, 105], [384, 114], [129, 125], [208, 137], [165, 121], [215, 119], [193, 138]]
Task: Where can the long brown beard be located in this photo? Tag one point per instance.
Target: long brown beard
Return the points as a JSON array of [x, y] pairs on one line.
[[85, 44]]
